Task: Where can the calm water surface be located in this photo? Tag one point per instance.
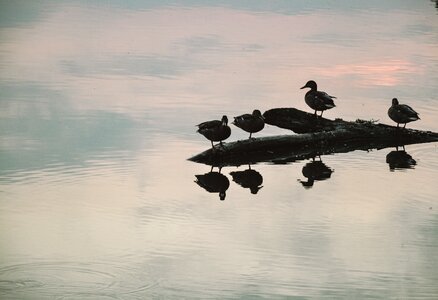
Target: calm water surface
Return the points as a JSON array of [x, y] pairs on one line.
[[98, 104]]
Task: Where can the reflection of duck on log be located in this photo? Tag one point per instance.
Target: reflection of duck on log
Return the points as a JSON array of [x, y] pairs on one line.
[[248, 179], [400, 159], [214, 182], [315, 170]]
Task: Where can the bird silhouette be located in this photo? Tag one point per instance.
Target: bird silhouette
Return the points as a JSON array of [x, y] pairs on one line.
[[248, 178], [400, 159], [317, 100], [215, 130], [214, 182], [402, 113], [251, 123], [315, 170]]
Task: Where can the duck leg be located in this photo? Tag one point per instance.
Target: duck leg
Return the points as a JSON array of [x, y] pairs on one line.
[[404, 126], [250, 135]]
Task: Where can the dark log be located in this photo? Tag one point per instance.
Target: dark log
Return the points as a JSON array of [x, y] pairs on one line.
[[318, 136], [299, 121]]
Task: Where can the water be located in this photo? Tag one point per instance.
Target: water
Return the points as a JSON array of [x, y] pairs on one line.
[[98, 104]]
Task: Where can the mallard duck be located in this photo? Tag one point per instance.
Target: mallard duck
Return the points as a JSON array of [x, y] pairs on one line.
[[215, 131], [318, 100], [402, 113], [214, 182], [250, 123]]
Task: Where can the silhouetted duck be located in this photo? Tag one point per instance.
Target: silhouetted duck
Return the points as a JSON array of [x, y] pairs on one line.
[[248, 179], [214, 182], [215, 131], [318, 100], [402, 113], [315, 170], [400, 159], [250, 123]]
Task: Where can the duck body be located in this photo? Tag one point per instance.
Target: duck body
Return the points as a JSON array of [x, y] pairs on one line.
[[317, 100], [251, 123], [402, 113], [216, 130]]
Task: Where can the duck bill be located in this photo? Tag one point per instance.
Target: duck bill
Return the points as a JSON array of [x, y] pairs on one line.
[[303, 87]]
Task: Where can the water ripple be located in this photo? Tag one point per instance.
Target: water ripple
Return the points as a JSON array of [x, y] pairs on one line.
[[73, 280], [58, 172]]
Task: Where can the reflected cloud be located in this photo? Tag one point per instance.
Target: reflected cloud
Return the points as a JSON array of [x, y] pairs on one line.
[[35, 135], [399, 160], [214, 182], [250, 179], [126, 54], [154, 66], [381, 73], [315, 170]]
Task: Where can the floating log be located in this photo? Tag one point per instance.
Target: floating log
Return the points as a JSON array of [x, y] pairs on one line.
[[316, 136]]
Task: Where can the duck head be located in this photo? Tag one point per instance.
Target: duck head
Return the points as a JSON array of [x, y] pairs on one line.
[[257, 113], [394, 101], [224, 120], [310, 84]]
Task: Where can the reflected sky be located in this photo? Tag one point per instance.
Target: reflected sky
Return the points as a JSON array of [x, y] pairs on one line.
[[124, 62], [98, 106]]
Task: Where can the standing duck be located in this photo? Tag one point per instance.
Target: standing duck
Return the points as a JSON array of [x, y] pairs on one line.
[[318, 100], [215, 131], [250, 123], [402, 113]]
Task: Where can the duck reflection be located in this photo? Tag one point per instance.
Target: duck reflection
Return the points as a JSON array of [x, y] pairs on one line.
[[249, 178], [214, 182], [400, 159], [315, 170]]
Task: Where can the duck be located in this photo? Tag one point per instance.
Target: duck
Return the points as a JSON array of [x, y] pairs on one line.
[[251, 123], [215, 130], [317, 100], [402, 113]]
